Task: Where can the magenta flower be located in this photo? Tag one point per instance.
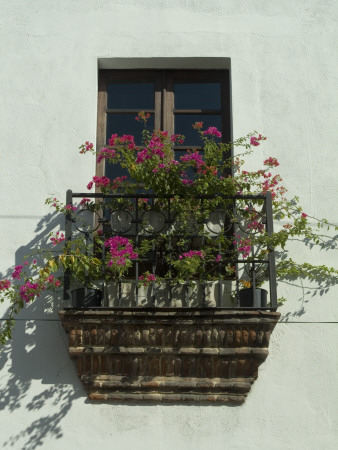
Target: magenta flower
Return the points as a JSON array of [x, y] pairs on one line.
[[120, 249], [255, 140], [243, 245], [192, 254], [58, 238], [187, 182], [29, 291], [197, 125], [106, 153], [271, 162], [84, 201], [5, 284], [212, 131], [70, 207], [195, 156], [17, 272], [112, 139]]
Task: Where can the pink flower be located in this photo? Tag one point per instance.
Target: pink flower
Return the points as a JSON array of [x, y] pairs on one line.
[[142, 116], [29, 291], [101, 181], [197, 125], [212, 131], [187, 182], [17, 272], [304, 216], [218, 258], [192, 254], [254, 141], [111, 141], [195, 157], [177, 138], [243, 246], [58, 238], [4, 284], [84, 201], [70, 207], [120, 249], [86, 147], [106, 153], [271, 162]]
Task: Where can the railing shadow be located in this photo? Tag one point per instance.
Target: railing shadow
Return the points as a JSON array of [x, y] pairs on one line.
[[37, 354]]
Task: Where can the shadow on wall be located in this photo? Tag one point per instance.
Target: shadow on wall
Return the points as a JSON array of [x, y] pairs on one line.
[[309, 285], [37, 355]]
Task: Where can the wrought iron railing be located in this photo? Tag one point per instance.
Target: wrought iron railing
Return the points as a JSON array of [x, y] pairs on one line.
[[238, 217]]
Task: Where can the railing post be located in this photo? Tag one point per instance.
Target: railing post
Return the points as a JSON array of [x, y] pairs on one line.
[[271, 255], [68, 236]]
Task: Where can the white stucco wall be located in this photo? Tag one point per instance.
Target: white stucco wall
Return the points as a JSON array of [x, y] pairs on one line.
[[284, 71]]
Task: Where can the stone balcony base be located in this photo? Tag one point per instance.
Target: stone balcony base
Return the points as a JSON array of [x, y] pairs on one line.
[[168, 354]]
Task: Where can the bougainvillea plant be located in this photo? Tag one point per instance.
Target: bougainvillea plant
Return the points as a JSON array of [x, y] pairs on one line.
[[153, 168]]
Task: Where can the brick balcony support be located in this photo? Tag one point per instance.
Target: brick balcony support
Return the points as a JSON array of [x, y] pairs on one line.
[[168, 354]]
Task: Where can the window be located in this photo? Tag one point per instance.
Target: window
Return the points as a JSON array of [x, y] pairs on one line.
[[175, 99]]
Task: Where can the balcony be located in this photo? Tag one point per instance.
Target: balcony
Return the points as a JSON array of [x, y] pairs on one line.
[[175, 339]]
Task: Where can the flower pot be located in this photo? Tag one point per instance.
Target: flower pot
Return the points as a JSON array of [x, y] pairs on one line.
[[253, 298], [86, 298]]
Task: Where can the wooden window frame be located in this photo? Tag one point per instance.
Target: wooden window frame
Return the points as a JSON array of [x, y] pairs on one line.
[[164, 110]]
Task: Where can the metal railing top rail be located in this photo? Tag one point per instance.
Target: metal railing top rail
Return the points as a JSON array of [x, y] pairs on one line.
[[155, 196]]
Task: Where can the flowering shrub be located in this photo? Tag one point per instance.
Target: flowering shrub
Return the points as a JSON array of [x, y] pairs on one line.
[[189, 264], [152, 168]]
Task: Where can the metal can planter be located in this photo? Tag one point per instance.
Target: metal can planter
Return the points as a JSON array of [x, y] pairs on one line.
[[253, 298], [86, 298]]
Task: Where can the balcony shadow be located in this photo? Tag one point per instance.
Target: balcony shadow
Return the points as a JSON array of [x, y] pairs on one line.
[[37, 355]]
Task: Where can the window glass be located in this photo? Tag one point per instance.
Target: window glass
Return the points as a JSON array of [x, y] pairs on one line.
[[131, 96], [115, 170], [197, 95], [126, 124]]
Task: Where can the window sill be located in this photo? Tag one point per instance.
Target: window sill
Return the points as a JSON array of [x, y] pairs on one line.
[[168, 354]]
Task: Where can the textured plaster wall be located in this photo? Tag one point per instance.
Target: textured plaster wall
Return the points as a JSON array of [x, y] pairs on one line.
[[284, 71]]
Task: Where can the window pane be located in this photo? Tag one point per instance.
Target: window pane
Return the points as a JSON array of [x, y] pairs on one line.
[[113, 170], [197, 95], [184, 122], [126, 124], [131, 96]]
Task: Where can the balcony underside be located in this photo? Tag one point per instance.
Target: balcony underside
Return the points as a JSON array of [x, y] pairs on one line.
[[168, 354]]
